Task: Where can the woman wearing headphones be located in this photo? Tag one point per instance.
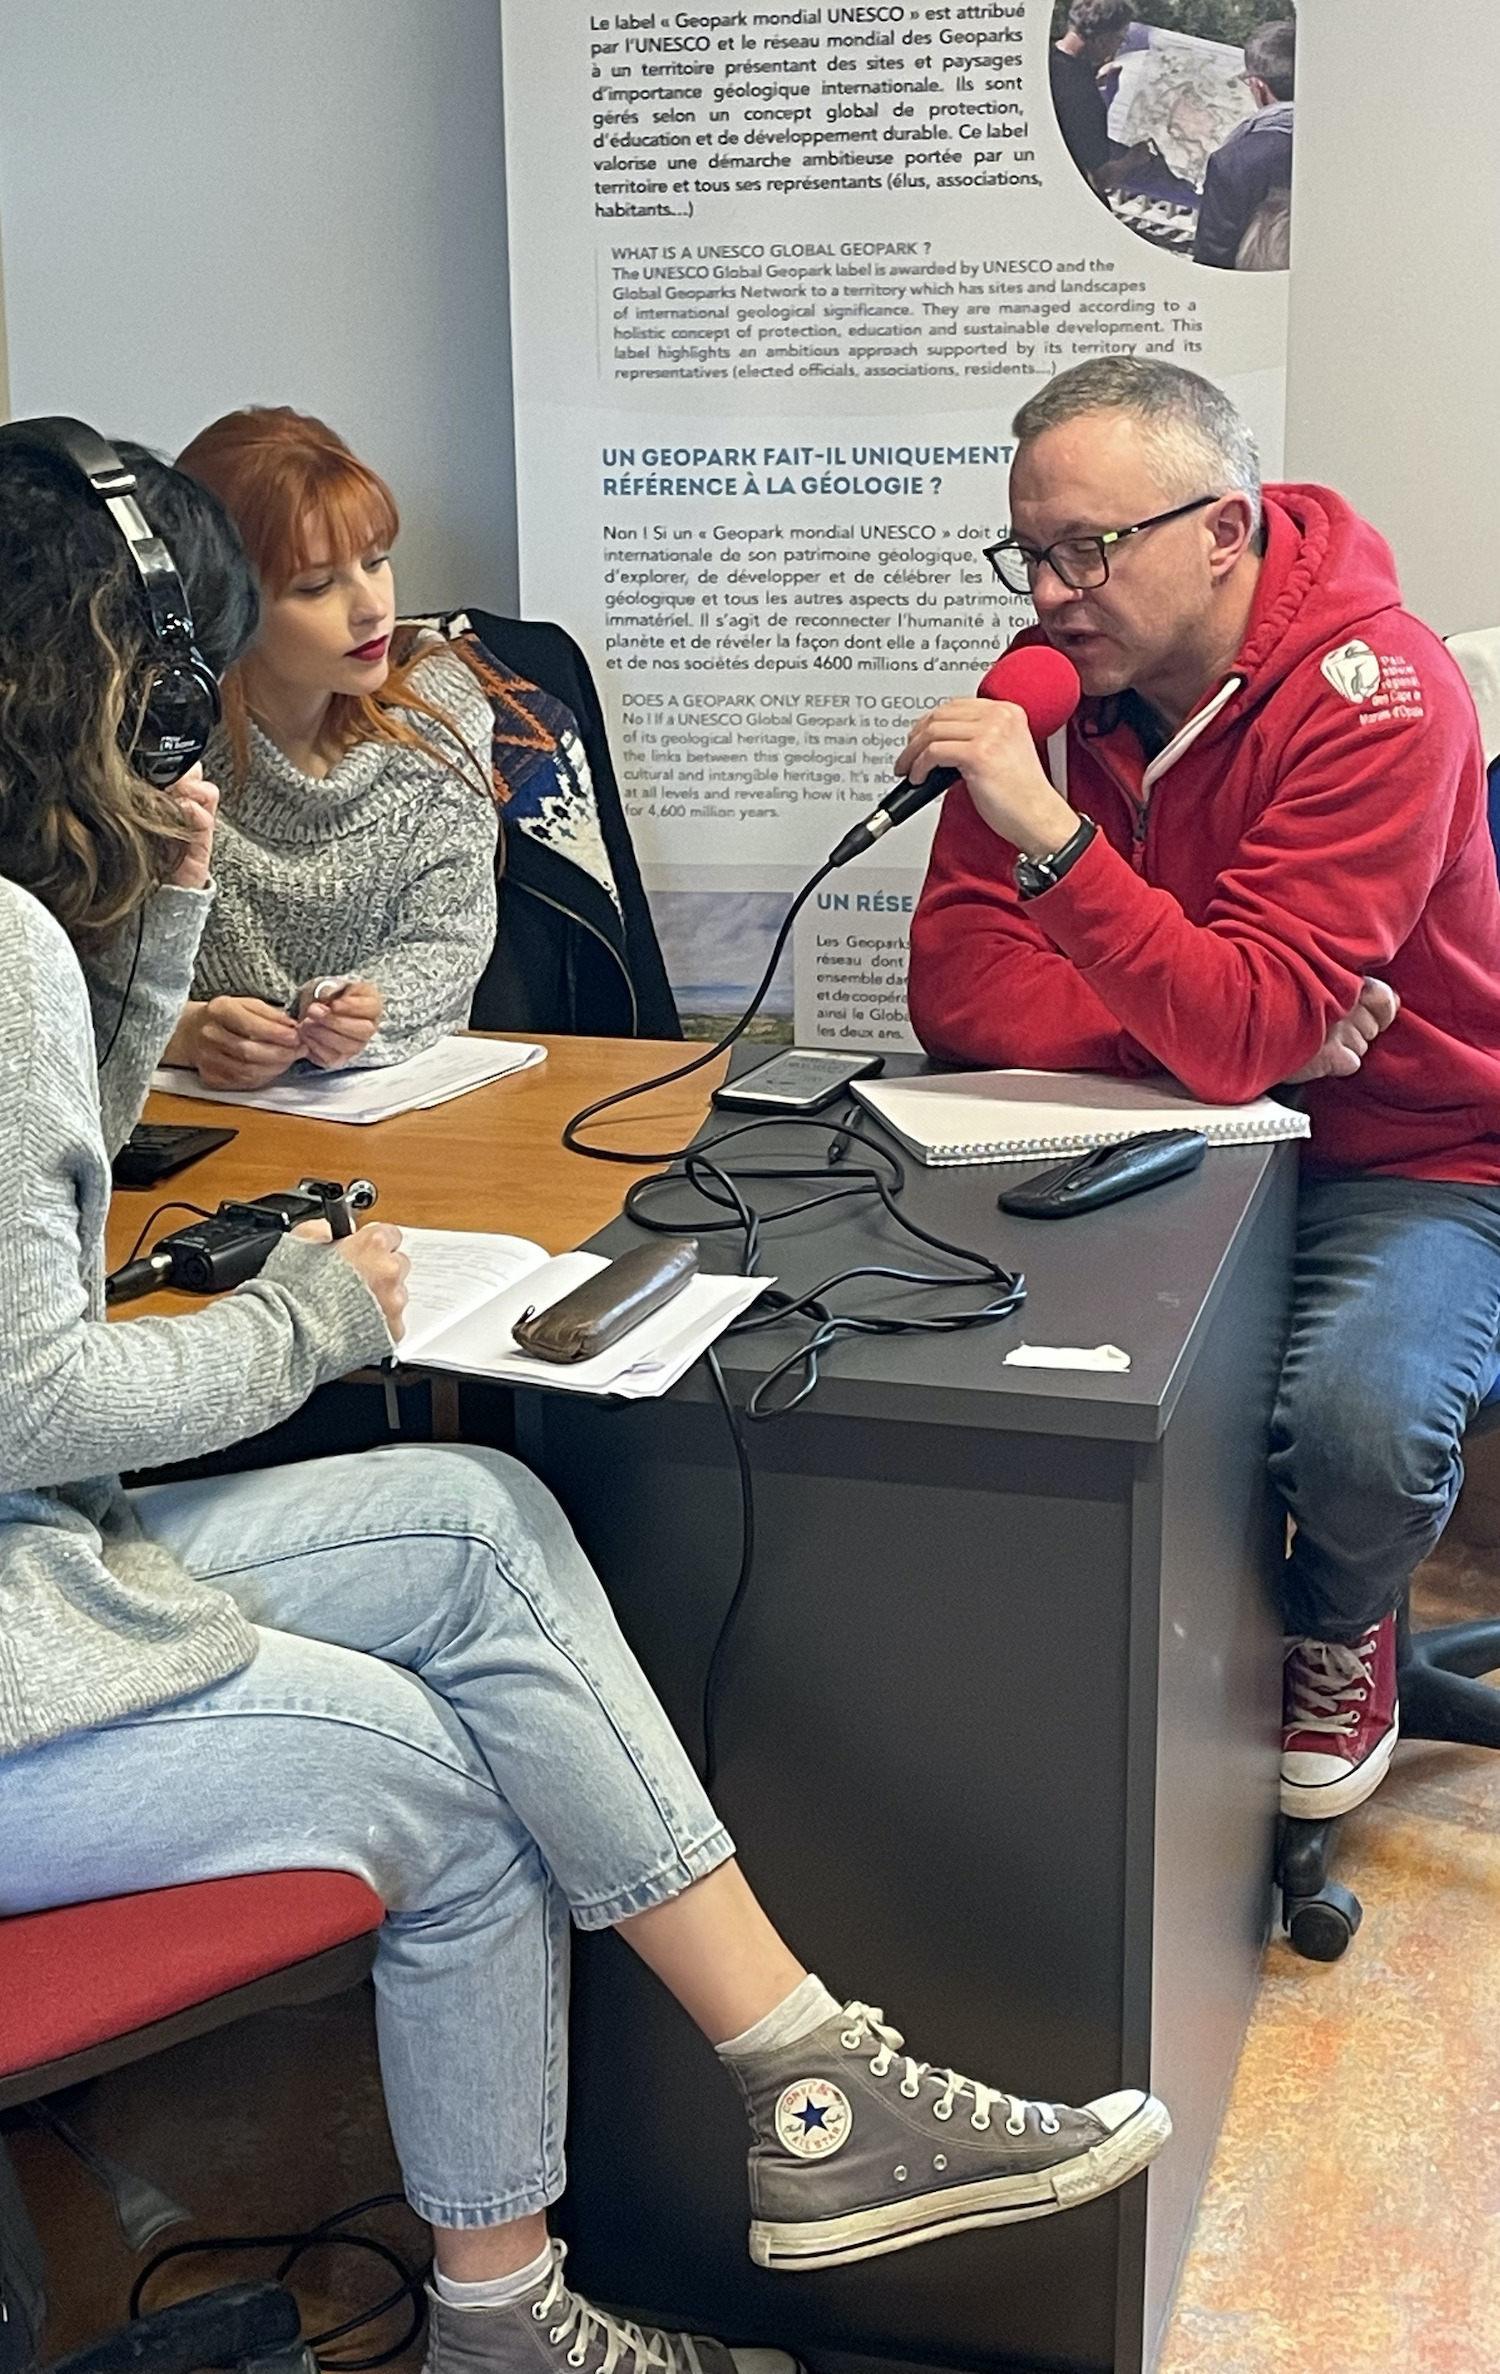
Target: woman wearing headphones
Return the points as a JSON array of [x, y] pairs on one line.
[[397, 1664], [355, 858]]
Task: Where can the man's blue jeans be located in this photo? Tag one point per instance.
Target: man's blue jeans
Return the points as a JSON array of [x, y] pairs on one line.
[[1393, 1345], [441, 1702]]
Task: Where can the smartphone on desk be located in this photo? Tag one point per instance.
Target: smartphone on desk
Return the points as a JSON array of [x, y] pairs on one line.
[[798, 1080]]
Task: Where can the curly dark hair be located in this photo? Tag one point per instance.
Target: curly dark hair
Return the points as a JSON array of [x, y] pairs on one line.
[[78, 828]]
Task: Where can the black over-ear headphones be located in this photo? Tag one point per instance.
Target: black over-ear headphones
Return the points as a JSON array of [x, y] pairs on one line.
[[182, 706]]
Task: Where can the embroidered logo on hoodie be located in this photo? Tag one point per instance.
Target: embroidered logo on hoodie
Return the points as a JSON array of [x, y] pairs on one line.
[[1353, 670], [1386, 689]]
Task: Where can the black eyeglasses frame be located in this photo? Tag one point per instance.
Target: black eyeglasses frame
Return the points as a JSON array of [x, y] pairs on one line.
[[1032, 563]]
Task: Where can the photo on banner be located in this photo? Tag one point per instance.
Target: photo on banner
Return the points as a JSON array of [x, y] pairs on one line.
[[780, 278]]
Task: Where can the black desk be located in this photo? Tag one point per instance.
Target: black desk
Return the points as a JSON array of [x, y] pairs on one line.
[[998, 1744]]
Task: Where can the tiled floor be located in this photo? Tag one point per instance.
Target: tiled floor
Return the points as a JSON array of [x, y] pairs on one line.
[[1352, 2220]]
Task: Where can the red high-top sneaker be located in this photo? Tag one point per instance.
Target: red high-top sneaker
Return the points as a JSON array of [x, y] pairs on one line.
[[1339, 1721]]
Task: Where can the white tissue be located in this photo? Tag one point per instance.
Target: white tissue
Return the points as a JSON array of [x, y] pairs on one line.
[[1107, 1356]]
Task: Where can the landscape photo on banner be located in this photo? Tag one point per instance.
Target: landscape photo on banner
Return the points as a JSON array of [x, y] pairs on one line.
[[780, 278]]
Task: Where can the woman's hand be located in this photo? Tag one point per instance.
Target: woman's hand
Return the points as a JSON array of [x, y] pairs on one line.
[[199, 801], [334, 1030], [236, 1042], [375, 1252]]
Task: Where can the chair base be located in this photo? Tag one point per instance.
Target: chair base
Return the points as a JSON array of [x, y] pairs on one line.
[[1441, 1698]]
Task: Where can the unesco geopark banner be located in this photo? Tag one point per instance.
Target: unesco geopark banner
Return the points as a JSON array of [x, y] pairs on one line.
[[780, 278]]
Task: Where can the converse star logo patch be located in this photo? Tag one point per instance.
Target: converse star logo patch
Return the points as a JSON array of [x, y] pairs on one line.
[[813, 2119], [1353, 670]]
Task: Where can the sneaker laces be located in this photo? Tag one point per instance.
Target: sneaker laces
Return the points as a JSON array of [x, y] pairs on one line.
[[867, 2021], [1327, 1683], [587, 2328]]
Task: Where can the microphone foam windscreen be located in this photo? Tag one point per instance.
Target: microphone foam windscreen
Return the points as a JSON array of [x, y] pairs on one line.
[[1039, 680]]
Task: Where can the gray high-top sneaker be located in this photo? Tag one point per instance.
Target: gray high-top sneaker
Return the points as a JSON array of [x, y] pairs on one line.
[[859, 2149], [550, 2330]]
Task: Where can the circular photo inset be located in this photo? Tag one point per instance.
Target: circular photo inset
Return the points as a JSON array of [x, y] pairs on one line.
[[1180, 121]]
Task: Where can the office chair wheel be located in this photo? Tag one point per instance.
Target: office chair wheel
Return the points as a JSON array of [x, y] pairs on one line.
[[1320, 1927]]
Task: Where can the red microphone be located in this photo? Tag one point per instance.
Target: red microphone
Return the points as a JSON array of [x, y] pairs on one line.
[[1035, 678]]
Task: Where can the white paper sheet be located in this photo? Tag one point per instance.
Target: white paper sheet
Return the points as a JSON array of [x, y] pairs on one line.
[[646, 1362], [451, 1068]]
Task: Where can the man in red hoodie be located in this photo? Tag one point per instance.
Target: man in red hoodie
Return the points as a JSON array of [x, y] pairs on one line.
[[1258, 854]]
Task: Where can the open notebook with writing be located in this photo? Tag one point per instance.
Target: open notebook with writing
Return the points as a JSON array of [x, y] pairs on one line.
[[1005, 1116]]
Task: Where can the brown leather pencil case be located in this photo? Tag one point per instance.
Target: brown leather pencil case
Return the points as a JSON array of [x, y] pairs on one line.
[[596, 1314]]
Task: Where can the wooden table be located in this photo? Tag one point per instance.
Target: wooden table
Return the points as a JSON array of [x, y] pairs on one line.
[[490, 1160]]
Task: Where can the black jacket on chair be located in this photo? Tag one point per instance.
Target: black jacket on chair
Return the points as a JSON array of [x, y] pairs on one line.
[[565, 958]]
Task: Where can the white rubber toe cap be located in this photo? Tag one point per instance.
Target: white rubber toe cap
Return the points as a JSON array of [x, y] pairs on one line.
[[1112, 2110]]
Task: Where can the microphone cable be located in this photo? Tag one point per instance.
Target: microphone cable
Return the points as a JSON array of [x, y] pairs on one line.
[[619, 1096], [724, 1189], [1036, 678], [700, 1170]]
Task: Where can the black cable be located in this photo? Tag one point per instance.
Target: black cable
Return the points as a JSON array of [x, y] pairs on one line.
[[885, 1178], [140, 941], [721, 1187], [620, 1096], [714, 1671], [177, 1205], [296, 2247]]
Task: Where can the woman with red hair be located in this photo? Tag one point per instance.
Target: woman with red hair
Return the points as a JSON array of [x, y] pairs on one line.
[[356, 841]]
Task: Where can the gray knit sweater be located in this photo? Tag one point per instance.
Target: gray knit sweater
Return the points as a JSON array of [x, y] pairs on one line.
[[96, 1620], [383, 868]]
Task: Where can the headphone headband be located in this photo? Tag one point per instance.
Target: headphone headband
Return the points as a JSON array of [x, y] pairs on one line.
[[183, 706], [97, 462]]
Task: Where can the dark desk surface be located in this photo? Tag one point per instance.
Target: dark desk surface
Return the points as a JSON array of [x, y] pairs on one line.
[[1144, 1274]]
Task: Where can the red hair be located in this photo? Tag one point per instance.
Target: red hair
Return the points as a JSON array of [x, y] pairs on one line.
[[299, 497]]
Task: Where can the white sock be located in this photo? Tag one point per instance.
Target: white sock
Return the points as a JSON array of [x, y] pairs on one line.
[[807, 2006], [499, 2291]]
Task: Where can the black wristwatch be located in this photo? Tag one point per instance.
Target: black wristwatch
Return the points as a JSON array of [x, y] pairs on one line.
[[1036, 874]]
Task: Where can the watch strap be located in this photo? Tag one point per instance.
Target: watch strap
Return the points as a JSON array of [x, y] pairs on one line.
[[1036, 874]]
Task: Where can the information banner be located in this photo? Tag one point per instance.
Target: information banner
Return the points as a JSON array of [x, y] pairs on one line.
[[780, 278]]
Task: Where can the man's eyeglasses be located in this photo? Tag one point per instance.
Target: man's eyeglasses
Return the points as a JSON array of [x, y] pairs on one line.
[[1078, 562]]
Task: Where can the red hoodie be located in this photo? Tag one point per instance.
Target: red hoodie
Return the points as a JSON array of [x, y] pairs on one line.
[[1319, 817]]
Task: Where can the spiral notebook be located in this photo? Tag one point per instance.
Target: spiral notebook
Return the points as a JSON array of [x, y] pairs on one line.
[[1006, 1116]]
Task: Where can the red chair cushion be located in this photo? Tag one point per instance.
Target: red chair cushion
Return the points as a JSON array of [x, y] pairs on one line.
[[83, 1973]]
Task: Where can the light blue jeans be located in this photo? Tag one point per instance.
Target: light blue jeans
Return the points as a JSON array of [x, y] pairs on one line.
[[441, 1702]]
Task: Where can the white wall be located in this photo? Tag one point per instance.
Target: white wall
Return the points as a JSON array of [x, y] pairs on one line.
[[207, 203], [1393, 380]]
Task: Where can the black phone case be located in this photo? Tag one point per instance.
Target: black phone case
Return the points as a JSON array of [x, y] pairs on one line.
[[1106, 1173]]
